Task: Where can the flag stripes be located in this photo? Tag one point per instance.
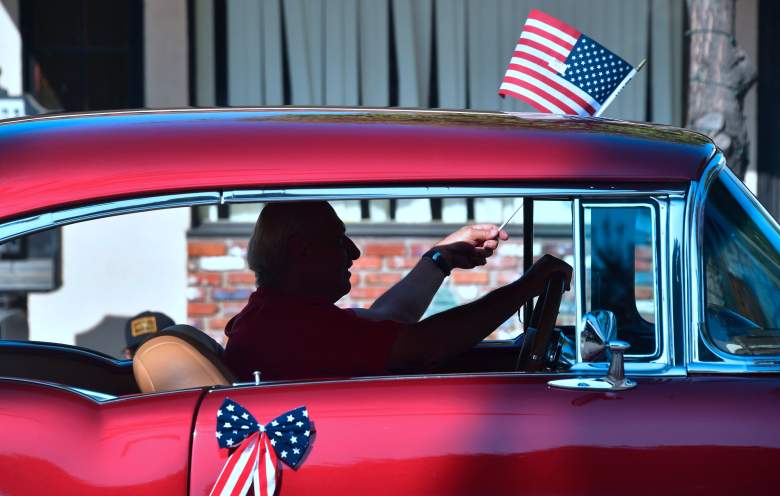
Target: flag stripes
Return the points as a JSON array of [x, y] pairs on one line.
[[555, 68]]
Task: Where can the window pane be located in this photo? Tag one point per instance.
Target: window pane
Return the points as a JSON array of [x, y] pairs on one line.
[[742, 273], [619, 272]]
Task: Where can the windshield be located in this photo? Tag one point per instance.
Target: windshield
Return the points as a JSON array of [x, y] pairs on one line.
[[741, 249]]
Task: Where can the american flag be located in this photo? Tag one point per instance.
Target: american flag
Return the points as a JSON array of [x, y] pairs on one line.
[[260, 447], [557, 69]]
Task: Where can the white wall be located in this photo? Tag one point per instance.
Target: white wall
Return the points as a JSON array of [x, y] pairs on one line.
[[10, 50], [117, 266]]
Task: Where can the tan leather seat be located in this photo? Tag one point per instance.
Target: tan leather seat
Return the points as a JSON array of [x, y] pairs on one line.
[[179, 357]]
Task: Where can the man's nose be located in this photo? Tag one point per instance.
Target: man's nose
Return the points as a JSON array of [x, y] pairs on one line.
[[352, 250]]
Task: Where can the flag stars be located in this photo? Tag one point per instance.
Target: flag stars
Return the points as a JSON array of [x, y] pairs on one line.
[[274, 423], [245, 416], [219, 434], [293, 439], [306, 413], [307, 433], [219, 412], [284, 454], [296, 451], [290, 418], [230, 408], [234, 417], [299, 424], [227, 425], [229, 442], [273, 442]]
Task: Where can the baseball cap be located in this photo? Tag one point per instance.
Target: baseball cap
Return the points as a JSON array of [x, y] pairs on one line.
[[143, 326]]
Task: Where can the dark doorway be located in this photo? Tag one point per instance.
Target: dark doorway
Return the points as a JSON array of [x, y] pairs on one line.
[[83, 54]]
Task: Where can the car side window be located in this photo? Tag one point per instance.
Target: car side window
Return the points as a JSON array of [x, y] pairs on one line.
[[620, 272], [741, 262]]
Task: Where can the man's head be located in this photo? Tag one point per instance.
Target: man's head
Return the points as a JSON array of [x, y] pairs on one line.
[[301, 247]]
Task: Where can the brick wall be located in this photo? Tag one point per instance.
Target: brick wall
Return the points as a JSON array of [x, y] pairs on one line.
[[219, 281]]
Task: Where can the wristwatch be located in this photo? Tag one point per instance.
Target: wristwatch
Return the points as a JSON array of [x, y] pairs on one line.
[[435, 255]]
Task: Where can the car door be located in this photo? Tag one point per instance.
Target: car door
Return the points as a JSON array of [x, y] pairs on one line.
[[512, 432]]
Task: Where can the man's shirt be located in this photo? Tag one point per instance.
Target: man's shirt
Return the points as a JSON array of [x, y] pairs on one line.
[[287, 336]]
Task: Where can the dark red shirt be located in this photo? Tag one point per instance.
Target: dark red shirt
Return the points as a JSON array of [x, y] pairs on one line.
[[291, 337]]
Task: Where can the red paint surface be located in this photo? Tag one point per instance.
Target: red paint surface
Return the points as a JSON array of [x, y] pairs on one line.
[[514, 435], [57, 161], [54, 441], [452, 435]]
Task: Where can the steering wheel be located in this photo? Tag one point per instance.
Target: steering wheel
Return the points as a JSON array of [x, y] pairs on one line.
[[534, 354]]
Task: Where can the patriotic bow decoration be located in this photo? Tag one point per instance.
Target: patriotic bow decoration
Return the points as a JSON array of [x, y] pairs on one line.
[[260, 447]]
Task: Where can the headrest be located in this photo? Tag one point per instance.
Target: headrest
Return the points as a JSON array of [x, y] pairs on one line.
[[180, 357]]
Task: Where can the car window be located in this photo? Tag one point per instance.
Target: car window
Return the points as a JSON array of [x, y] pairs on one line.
[[620, 273], [93, 276], [392, 234], [741, 259]]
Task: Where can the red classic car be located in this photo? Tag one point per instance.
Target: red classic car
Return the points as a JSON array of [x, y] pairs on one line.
[[660, 376]]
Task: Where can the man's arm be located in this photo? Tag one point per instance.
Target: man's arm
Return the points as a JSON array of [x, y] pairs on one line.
[[408, 299], [442, 336]]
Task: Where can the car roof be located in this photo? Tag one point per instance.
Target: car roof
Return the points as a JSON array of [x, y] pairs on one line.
[[60, 160]]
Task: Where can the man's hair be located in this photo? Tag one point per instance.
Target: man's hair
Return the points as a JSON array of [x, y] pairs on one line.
[[267, 254]]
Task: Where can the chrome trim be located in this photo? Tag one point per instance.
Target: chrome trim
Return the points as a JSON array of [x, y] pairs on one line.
[[675, 299], [94, 396], [97, 396], [729, 363], [615, 380], [27, 225], [694, 210], [654, 369], [76, 350], [663, 309], [366, 193], [578, 247], [659, 354], [35, 223]]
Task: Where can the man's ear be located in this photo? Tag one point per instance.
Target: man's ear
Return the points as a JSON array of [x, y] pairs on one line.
[[298, 247]]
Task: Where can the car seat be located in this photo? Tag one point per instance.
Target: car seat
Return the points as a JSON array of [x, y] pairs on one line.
[[180, 357]]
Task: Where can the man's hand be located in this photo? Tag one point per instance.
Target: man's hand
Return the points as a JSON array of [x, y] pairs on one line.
[[470, 246], [542, 269]]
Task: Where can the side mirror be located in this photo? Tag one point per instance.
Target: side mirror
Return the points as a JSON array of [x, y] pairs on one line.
[[598, 337], [598, 329]]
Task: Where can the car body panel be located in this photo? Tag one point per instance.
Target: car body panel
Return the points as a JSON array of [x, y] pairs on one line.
[[488, 433], [55, 438], [71, 159], [512, 434]]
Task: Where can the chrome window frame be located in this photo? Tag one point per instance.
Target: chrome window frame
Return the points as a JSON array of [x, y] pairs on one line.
[[656, 212], [34, 223], [727, 362], [16, 227], [664, 365]]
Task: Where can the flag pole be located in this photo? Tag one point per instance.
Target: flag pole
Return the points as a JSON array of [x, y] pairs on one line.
[[620, 87]]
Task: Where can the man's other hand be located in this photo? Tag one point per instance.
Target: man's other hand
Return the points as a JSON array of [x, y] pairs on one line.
[[541, 271], [471, 245]]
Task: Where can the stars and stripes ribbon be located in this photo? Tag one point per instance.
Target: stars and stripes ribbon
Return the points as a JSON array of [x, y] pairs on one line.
[[259, 448], [557, 69]]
